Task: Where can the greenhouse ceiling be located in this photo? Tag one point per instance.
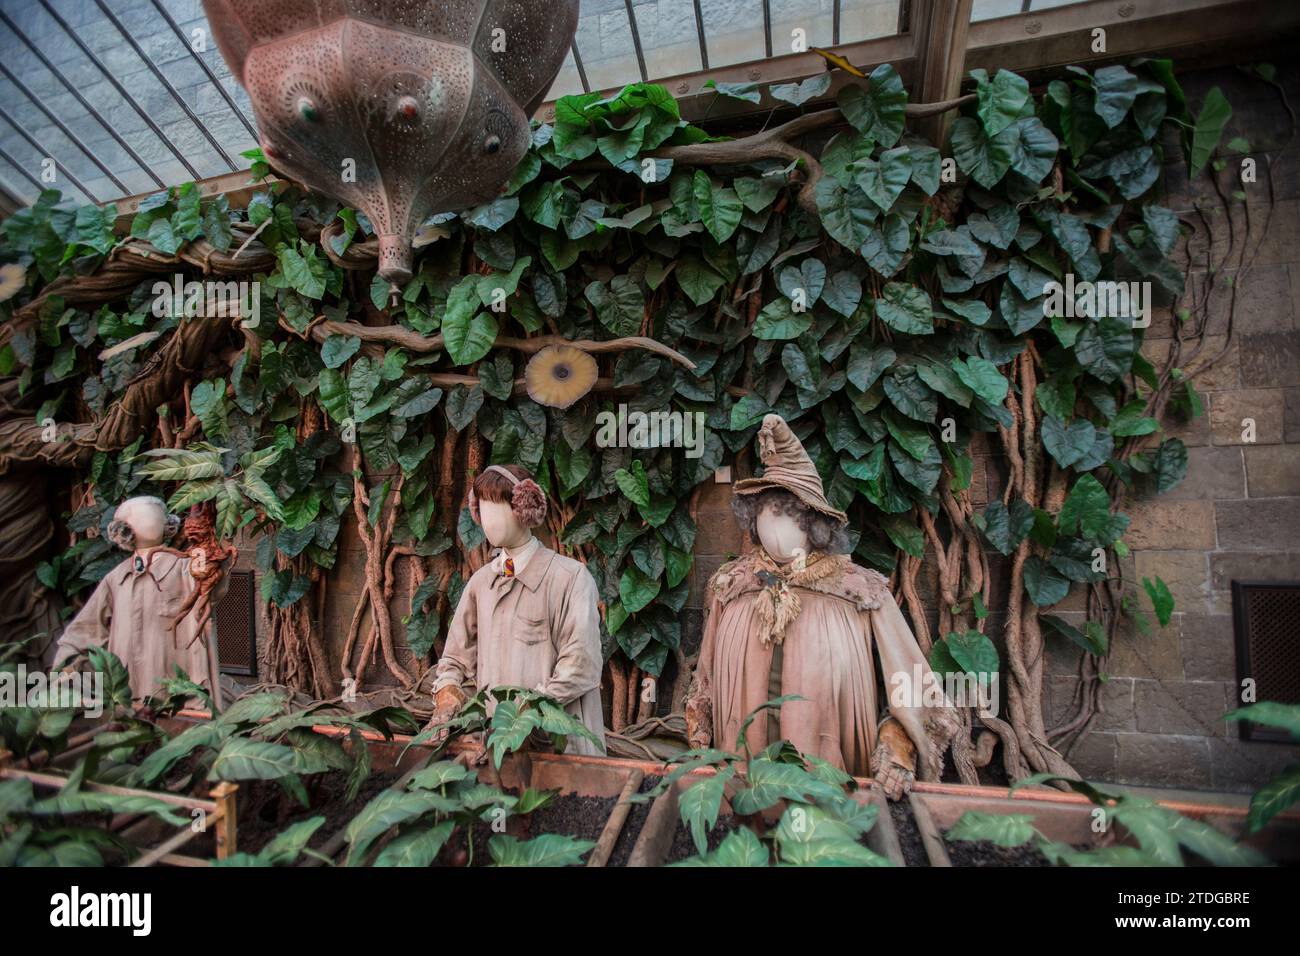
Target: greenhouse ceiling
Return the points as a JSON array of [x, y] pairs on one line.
[[106, 99]]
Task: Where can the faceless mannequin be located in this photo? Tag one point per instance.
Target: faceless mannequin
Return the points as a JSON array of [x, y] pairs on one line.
[[147, 518], [780, 535], [502, 528]]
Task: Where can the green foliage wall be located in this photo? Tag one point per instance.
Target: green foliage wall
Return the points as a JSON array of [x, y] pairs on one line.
[[917, 291]]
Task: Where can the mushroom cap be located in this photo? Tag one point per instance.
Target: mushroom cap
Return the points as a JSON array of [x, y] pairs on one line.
[[559, 375]]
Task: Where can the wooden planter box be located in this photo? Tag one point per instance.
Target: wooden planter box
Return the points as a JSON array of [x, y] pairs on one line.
[[1068, 818], [1061, 816]]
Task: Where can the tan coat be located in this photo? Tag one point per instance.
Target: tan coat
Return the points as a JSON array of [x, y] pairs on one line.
[[841, 620], [130, 613], [539, 630]]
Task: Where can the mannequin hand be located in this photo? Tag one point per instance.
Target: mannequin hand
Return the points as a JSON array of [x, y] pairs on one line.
[[446, 705], [894, 781], [699, 722], [893, 763]]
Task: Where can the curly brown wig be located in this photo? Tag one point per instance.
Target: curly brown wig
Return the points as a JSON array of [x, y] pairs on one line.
[[825, 534]]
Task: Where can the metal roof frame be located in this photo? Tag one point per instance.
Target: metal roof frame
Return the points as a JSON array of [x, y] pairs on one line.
[[935, 44]]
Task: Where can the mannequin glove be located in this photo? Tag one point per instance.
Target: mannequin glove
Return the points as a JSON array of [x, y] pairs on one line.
[[893, 762], [447, 703], [699, 721]]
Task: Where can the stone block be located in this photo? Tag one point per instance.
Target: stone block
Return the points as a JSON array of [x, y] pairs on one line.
[[1273, 471], [1157, 655], [1190, 708], [1186, 573], [1270, 358], [1117, 704], [1229, 566], [1163, 761], [1244, 765], [1096, 756], [1208, 647], [1163, 525], [1291, 415], [1262, 524], [1250, 412], [1212, 472]]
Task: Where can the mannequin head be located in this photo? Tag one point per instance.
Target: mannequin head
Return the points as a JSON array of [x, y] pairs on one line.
[[782, 524], [508, 504], [141, 523]]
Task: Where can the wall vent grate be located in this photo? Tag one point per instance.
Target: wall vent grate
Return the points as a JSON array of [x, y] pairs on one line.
[[1266, 616], [236, 619]]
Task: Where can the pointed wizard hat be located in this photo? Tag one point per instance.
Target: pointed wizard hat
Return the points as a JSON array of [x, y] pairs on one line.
[[787, 466]]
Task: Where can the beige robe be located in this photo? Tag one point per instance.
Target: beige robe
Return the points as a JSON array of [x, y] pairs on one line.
[[845, 618], [130, 613], [539, 630]]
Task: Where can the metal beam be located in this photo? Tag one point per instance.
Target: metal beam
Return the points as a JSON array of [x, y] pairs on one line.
[[636, 40], [116, 84], [767, 27], [577, 61], [47, 154], [76, 93], [699, 32], [18, 168], [167, 85], [212, 77], [63, 127]]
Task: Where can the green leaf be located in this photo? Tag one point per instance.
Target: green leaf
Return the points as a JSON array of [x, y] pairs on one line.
[[797, 94], [620, 306], [1002, 829], [1001, 100], [1161, 599], [698, 281], [883, 180], [1087, 509], [338, 349], [416, 849], [779, 321], [905, 308], [634, 483], [700, 803], [740, 848], [984, 159], [720, 208], [880, 110], [1270, 714], [636, 590], [1043, 583], [306, 275], [845, 213], [1068, 443], [982, 377], [549, 849], [1116, 90], [1005, 527], [468, 336], [511, 726], [1210, 122]]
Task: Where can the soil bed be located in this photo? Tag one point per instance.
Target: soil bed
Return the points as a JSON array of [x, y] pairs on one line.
[[984, 853], [909, 837]]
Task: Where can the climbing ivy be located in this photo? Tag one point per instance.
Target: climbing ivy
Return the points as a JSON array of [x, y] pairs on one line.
[[877, 296]]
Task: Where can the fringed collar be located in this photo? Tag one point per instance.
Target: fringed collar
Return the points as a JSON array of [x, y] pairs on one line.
[[778, 586]]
